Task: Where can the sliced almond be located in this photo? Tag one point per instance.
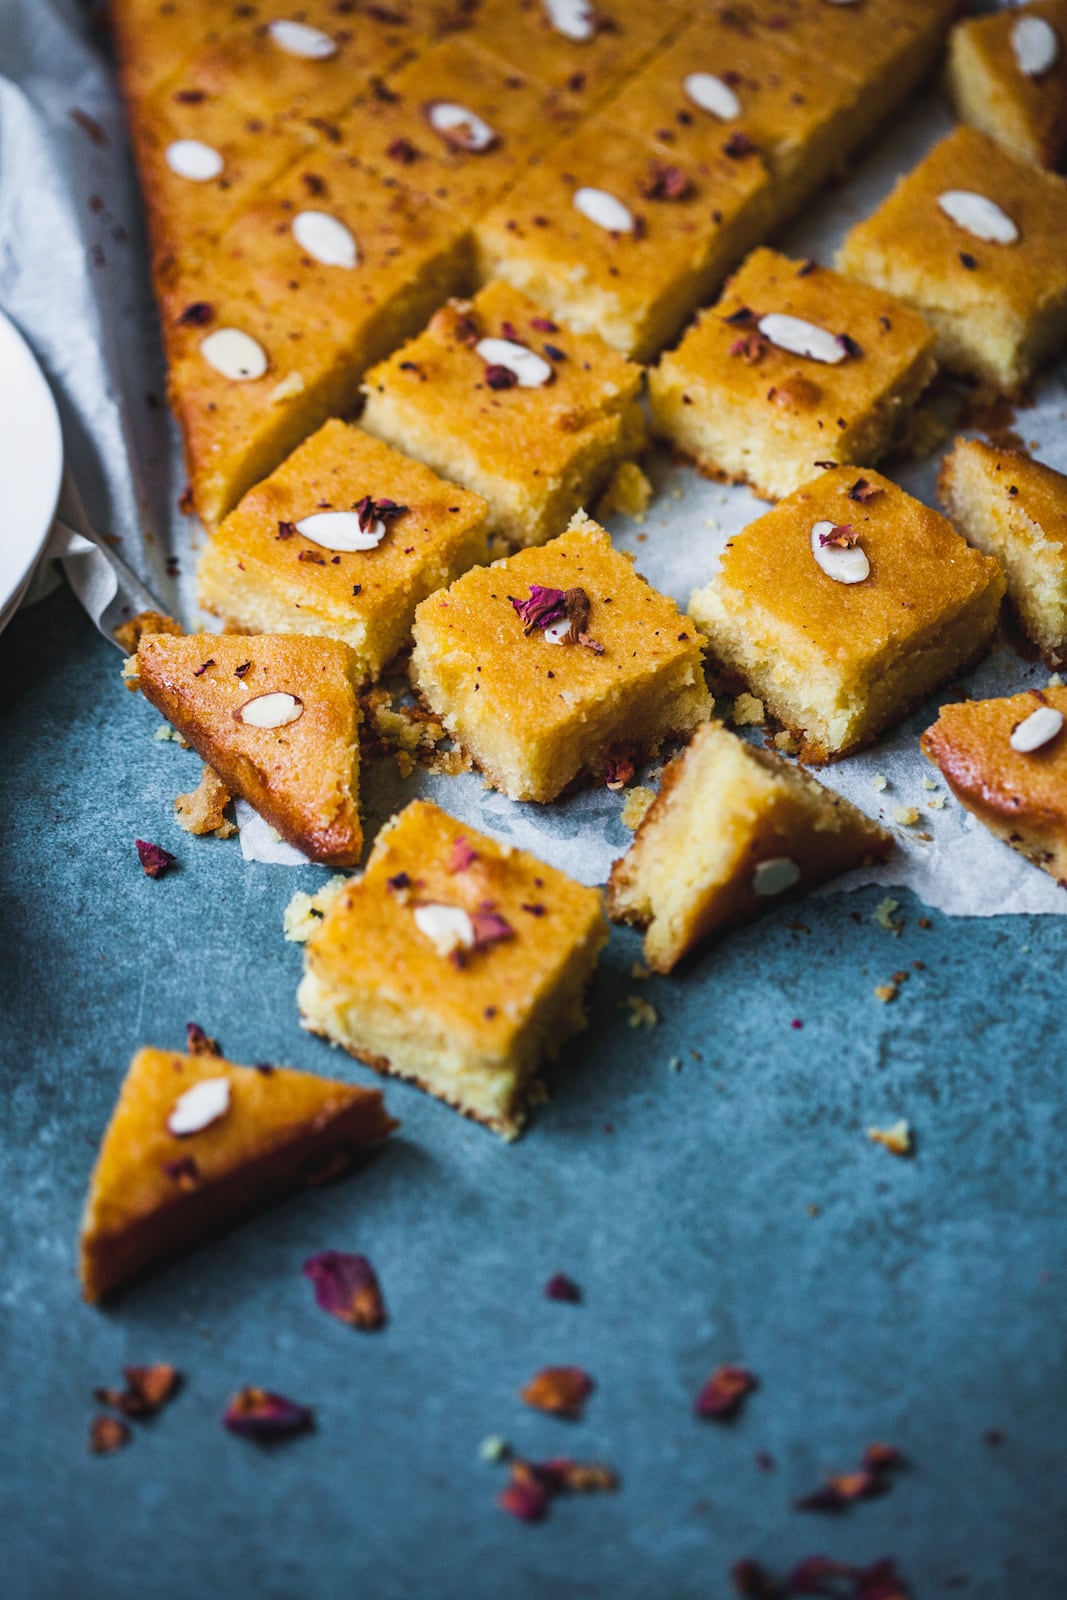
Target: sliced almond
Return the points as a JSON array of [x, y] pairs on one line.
[[802, 338], [712, 94], [1037, 730], [460, 127], [448, 928], [341, 530], [978, 215], [775, 876], [574, 19], [325, 239], [274, 710], [193, 159], [609, 213], [298, 39], [1036, 45], [531, 369], [842, 563], [556, 632], [199, 1107], [235, 355]]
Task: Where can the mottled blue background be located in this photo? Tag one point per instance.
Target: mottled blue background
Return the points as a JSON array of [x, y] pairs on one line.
[[730, 1211]]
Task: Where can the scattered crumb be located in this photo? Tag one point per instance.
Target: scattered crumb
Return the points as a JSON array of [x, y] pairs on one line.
[[813, 1210], [642, 1015], [879, 782], [405, 763], [748, 712], [896, 1139], [305, 911], [1055, 682], [906, 816], [639, 971], [786, 743], [629, 492], [675, 1063], [883, 915], [128, 635], [885, 992], [165, 731], [929, 783], [494, 1448], [638, 801], [203, 809], [924, 922], [937, 803]]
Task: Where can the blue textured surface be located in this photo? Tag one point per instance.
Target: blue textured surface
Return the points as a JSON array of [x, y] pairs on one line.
[[921, 1304]]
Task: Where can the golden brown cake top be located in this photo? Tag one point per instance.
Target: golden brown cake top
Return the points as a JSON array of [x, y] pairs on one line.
[[1016, 482], [1020, 67], [861, 342], [920, 569], [234, 1117], [486, 629], [667, 219], [276, 717], [971, 742], [958, 269], [446, 917], [525, 430], [377, 514], [857, 38]]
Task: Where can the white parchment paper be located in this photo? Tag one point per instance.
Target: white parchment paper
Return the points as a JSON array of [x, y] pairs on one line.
[[73, 277]]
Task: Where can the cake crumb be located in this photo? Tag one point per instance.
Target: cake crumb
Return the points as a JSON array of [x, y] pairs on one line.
[[203, 809], [937, 803], [748, 712], [640, 971], [883, 915], [675, 1063], [896, 1139], [786, 742], [494, 1448], [642, 1015], [629, 492], [405, 763], [879, 782], [906, 816], [638, 801], [930, 783], [885, 992], [165, 731], [305, 911]]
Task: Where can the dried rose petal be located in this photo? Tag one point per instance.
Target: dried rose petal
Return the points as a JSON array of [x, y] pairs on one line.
[[199, 1043], [752, 1580], [880, 1582], [883, 1457], [258, 1414], [738, 145], [286, 530], [818, 1575], [498, 377], [154, 859], [195, 315], [578, 1477], [147, 1390], [561, 1390], [525, 1497], [560, 1287], [347, 1287], [399, 881], [370, 511], [752, 349], [463, 856], [842, 535], [184, 1171], [724, 1392], [542, 608], [849, 345], [843, 1489], [108, 1434], [489, 928], [404, 151], [618, 772], [663, 182], [740, 318], [862, 491]]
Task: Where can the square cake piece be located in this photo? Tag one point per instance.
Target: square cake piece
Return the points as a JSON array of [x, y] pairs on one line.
[[887, 45], [973, 237], [557, 662], [319, 277], [846, 606], [1006, 761], [344, 539], [276, 718], [456, 962], [613, 240], [1015, 508], [536, 439], [195, 1143], [794, 366], [732, 828], [1007, 74]]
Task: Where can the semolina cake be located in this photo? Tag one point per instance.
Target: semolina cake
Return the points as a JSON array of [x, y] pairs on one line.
[[456, 962], [794, 367], [731, 829], [1007, 74], [278, 720], [1005, 760], [195, 1143], [557, 663], [845, 606], [1015, 508], [344, 539], [537, 438]]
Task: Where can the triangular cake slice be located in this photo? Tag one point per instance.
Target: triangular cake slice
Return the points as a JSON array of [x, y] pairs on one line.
[[732, 828], [196, 1142], [1007, 74], [277, 718]]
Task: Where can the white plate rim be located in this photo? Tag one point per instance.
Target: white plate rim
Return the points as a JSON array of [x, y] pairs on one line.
[[31, 463]]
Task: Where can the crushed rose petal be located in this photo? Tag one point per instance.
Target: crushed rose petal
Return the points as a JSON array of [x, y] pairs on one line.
[[347, 1287], [108, 1434], [286, 530], [664, 182], [199, 1043], [147, 1390], [533, 1484], [862, 491], [849, 345], [541, 608], [154, 859], [560, 1287], [258, 1414], [752, 349], [544, 325], [195, 315], [370, 511], [871, 1479], [525, 1497], [499, 377], [843, 535], [562, 1391], [489, 928], [462, 856], [618, 772], [724, 1393], [184, 1171]]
